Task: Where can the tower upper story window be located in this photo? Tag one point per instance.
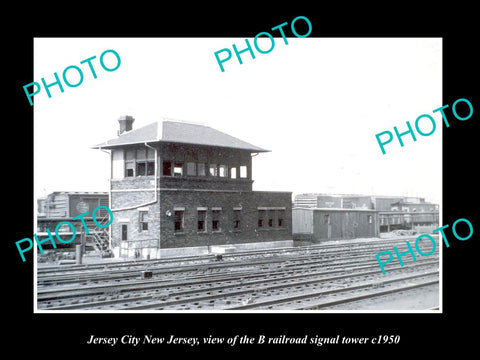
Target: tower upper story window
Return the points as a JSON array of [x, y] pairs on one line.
[[213, 170], [191, 169], [243, 172], [201, 169], [178, 169], [139, 162], [196, 168], [222, 170], [129, 169], [167, 168]]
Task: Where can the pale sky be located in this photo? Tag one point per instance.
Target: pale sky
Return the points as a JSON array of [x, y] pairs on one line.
[[317, 103]]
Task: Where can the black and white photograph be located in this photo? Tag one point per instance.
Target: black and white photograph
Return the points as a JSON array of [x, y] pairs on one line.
[[217, 192], [244, 184]]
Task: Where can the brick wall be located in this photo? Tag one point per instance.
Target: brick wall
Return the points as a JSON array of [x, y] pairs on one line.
[[131, 198], [141, 182], [131, 218], [161, 218], [248, 230], [207, 182]]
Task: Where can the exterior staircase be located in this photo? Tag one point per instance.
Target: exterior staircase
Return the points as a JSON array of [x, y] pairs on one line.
[[99, 237]]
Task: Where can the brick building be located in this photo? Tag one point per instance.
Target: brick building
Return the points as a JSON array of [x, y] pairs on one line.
[[179, 188]]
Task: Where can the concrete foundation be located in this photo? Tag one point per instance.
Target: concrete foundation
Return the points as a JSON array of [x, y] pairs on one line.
[[155, 253]]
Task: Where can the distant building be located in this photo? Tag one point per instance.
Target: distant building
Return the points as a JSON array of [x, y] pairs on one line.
[[179, 188], [329, 201], [68, 204], [63, 206], [352, 201], [408, 205], [409, 213], [359, 202], [311, 201], [393, 212], [315, 224]]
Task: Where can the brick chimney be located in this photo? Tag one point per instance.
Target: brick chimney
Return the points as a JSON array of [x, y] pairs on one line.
[[126, 122]]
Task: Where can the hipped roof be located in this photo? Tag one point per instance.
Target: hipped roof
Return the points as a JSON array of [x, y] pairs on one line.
[[178, 132]]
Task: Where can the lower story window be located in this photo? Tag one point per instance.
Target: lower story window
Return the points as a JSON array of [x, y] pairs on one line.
[[178, 217], [143, 220], [280, 217], [271, 217], [124, 232], [236, 219], [261, 218], [216, 220], [201, 215]]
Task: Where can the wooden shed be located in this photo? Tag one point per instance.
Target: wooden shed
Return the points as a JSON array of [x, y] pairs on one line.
[[323, 224]]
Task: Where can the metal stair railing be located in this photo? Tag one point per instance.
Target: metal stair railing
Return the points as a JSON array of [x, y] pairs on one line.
[[100, 235]]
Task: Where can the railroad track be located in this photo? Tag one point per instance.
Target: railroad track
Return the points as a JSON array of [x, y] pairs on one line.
[[90, 273], [242, 277], [328, 298], [245, 281], [201, 259]]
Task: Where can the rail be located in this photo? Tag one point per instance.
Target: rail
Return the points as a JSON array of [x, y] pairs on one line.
[[237, 281]]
